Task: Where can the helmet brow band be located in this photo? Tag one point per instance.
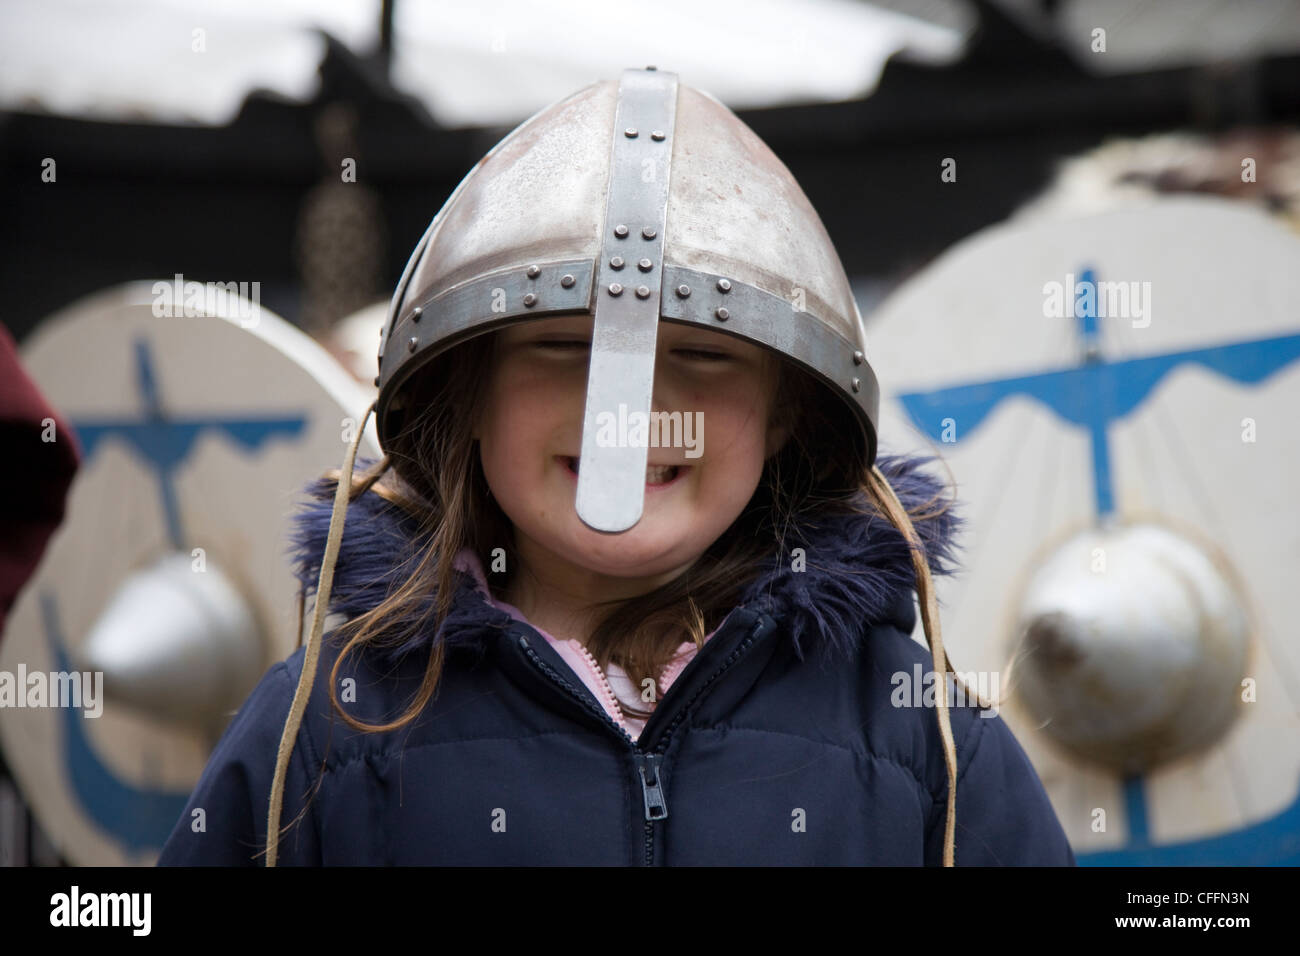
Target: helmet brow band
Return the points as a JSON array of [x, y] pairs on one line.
[[738, 308]]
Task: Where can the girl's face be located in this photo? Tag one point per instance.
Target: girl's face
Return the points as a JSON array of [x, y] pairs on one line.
[[530, 433]]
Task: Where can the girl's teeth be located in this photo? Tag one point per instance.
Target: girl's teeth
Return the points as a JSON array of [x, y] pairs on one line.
[[654, 474]]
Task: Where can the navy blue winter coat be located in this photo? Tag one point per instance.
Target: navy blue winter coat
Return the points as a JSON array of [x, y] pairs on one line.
[[777, 744]]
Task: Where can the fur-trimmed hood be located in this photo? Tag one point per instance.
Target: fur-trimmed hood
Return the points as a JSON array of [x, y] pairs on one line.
[[856, 569]]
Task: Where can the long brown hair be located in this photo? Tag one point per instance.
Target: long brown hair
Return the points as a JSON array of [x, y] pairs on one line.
[[822, 466]]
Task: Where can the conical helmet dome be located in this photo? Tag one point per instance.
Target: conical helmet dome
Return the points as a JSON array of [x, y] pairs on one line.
[[634, 201]]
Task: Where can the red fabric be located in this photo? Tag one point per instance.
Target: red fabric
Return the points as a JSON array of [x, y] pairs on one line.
[[35, 477]]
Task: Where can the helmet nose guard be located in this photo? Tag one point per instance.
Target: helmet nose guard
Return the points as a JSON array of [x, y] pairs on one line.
[[632, 203], [611, 483]]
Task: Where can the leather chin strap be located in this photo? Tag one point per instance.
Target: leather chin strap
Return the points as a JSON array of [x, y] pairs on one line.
[[894, 510], [934, 637], [324, 584]]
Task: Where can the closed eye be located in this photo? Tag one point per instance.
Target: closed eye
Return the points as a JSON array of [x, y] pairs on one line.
[[702, 355], [572, 345]]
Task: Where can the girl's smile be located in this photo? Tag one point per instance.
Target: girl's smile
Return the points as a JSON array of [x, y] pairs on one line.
[[657, 477]]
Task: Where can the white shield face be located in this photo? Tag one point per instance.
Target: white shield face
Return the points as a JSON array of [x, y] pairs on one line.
[[168, 575], [1115, 397]]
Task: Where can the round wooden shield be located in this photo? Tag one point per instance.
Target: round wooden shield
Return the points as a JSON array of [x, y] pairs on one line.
[[166, 593], [1123, 386]]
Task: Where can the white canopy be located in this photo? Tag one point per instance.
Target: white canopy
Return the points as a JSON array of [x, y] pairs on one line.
[[478, 63]]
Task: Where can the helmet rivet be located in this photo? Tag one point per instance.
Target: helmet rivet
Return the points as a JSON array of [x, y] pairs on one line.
[[566, 281], [648, 232], [657, 136], [616, 262], [534, 271], [724, 285], [642, 292], [722, 314], [683, 291], [416, 313], [376, 381], [615, 289], [411, 343], [630, 133], [857, 385], [621, 231], [858, 358], [645, 265], [530, 300]]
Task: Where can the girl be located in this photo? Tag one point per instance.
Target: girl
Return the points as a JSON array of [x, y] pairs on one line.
[[574, 634]]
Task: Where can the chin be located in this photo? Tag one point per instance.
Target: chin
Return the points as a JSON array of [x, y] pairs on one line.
[[627, 555]]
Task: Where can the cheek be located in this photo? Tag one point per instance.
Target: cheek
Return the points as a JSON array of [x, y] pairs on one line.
[[526, 414], [505, 425], [503, 438], [735, 426]]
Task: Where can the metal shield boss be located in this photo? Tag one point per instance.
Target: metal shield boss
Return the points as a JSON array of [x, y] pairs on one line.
[[632, 201]]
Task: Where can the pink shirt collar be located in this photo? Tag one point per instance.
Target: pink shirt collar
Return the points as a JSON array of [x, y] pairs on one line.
[[611, 687]]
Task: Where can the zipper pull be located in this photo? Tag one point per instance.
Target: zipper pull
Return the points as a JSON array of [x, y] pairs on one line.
[[656, 807]]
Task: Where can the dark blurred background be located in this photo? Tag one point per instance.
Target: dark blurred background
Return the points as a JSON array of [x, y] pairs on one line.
[[142, 195]]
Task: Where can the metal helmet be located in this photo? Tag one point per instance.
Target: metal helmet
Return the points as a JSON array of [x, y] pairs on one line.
[[633, 201]]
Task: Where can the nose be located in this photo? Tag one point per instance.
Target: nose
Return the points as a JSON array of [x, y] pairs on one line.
[[665, 396]]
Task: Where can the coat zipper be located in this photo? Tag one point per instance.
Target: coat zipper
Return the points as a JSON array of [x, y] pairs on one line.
[[648, 762], [586, 702], [605, 685]]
